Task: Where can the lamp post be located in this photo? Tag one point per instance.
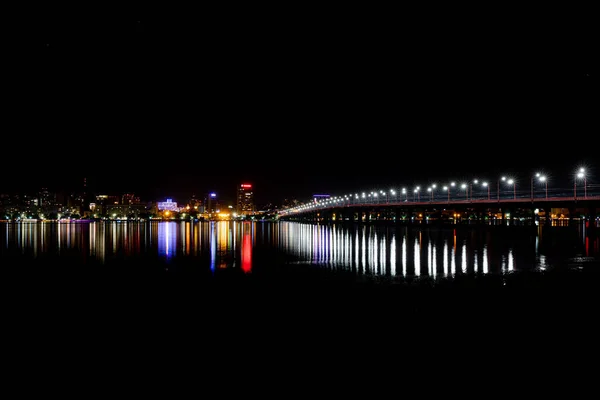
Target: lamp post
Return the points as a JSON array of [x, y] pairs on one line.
[[498, 189], [545, 180], [416, 192], [405, 194], [485, 184], [581, 175], [447, 189], [464, 186], [512, 182], [386, 196], [537, 175], [475, 181]]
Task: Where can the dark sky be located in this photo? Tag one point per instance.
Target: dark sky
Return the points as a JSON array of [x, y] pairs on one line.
[[295, 101]]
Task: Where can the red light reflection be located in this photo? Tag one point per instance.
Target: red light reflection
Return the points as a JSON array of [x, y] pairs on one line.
[[246, 252]]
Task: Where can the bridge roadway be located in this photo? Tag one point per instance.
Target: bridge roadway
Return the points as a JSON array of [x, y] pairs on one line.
[[523, 206]]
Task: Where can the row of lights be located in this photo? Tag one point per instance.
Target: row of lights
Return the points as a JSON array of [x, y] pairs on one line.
[[580, 174]]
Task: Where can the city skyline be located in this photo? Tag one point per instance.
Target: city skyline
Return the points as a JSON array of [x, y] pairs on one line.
[[140, 106], [183, 189]]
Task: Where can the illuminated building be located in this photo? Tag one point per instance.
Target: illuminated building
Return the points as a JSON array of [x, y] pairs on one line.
[[212, 205], [245, 199], [168, 205], [130, 198]]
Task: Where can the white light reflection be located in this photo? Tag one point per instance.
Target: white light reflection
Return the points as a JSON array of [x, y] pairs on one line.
[[511, 262], [382, 257], [332, 246], [393, 256], [445, 255], [464, 258], [364, 251], [347, 250], [429, 259], [375, 245], [485, 259], [356, 252], [403, 267], [434, 258], [417, 258]]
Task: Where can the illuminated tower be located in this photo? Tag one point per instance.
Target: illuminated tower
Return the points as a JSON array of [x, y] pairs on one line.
[[245, 199], [211, 204]]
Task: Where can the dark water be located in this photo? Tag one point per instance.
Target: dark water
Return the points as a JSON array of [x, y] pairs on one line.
[[271, 300]]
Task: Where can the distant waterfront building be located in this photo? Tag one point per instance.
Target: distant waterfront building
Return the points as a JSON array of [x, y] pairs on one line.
[[106, 199], [130, 198], [212, 203], [245, 199], [45, 198], [168, 205]]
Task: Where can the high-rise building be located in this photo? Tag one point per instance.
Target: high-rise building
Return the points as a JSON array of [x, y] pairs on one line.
[[212, 203], [245, 199]]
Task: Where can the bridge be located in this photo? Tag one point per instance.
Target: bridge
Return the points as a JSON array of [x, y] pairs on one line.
[[473, 200]]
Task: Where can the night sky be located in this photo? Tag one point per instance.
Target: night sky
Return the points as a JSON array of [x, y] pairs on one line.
[[296, 102]]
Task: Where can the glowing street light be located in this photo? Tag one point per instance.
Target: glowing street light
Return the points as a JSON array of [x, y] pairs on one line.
[[543, 179], [512, 182], [447, 189], [581, 175], [417, 193], [485, 184], [537, 175], [405, 194], [464, 186]]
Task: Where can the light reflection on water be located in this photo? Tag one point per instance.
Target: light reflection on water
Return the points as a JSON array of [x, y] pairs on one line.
[[361, 249]]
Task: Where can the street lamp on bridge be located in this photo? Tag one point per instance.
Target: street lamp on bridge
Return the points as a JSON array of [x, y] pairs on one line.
[[417, 193], [539, 176], [430, 190], [581, 175], [545, 180], [384, 194], [464, 186], [503, 179], [512, 182], [475, 181], [447, 189], [405, 194], [485, 184]]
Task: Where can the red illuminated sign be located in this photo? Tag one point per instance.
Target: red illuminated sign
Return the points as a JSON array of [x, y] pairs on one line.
[[246, 185]]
